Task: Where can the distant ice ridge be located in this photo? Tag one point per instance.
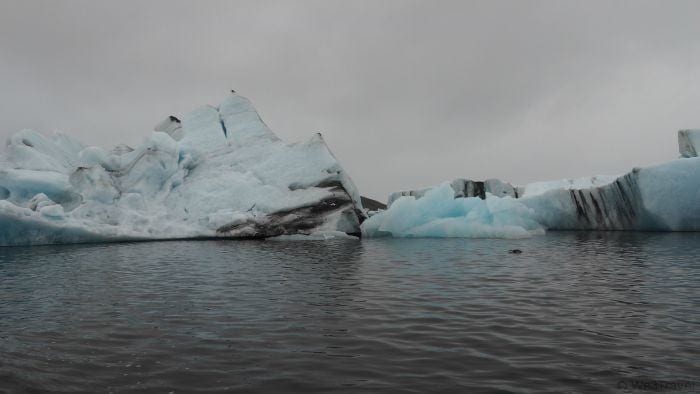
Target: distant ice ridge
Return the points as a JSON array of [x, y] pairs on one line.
[[469, 188], [665, 197], [220, 172]]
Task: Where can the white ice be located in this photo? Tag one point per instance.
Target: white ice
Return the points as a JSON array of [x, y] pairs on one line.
[[535, 188], [664, 197], [439, 214], [219, 173]]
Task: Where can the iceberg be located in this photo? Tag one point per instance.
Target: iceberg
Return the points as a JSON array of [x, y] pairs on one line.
[[437, 213], [689, 143], [664, 197], [220, 172]]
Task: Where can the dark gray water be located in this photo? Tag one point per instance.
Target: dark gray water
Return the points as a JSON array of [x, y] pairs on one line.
[[575, 312]]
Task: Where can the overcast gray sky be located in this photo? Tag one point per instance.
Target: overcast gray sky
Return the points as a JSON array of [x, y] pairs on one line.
[[406, 93]]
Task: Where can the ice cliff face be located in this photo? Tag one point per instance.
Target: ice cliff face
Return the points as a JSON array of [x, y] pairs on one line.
[[220, 172], [659, 198]]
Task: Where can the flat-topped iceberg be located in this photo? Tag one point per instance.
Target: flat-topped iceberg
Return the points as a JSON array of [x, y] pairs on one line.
[[665, 197], [220, 172]]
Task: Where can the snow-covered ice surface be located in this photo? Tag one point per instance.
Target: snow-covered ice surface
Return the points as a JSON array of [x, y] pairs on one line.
[[220, 172], [664, 197], [535, 188]]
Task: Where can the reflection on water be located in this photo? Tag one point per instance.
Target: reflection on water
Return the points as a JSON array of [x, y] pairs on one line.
[[573, 312]]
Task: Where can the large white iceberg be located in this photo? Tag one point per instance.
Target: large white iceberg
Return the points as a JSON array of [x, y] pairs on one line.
[[665, 197], [220, 172]]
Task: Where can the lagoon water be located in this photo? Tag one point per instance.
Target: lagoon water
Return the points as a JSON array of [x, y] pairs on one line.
[[574, 312]]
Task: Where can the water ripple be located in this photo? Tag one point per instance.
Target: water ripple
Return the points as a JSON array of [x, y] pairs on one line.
[[575, 312]]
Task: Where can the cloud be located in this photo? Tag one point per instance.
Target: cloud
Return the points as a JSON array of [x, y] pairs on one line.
[[406, 93]]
